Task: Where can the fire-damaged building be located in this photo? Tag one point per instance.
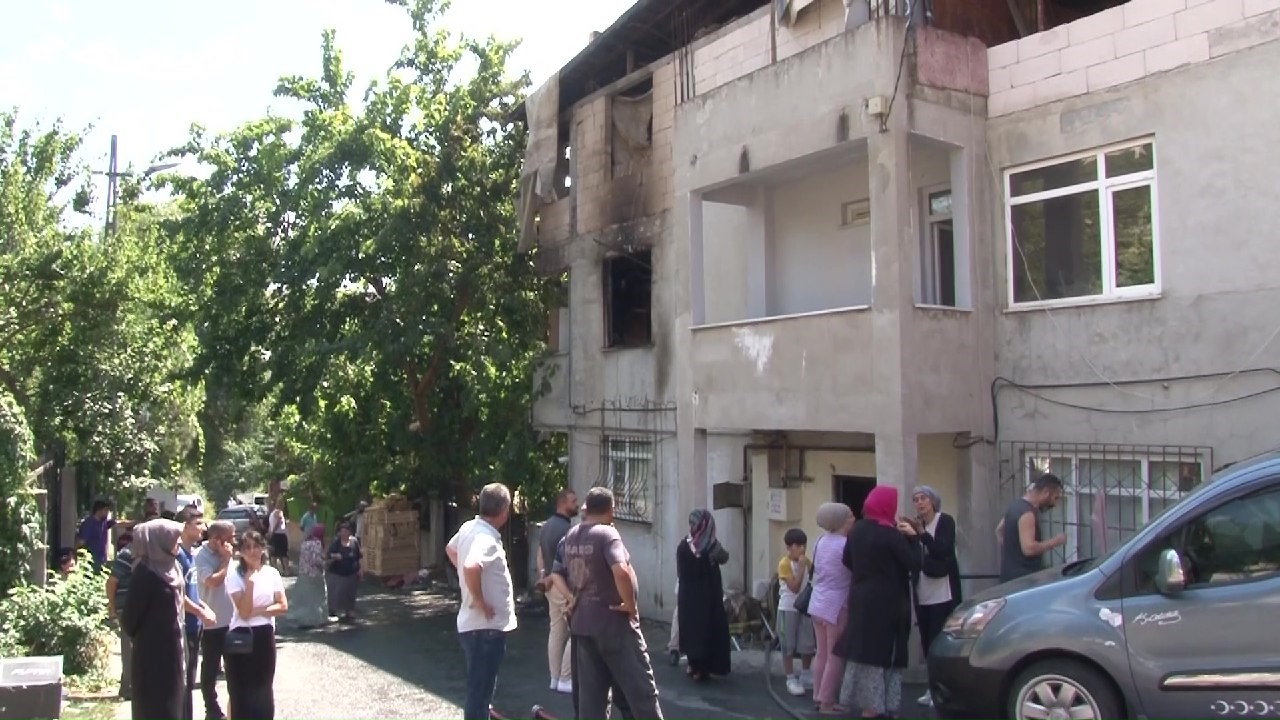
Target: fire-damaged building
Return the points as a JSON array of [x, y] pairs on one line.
[[811, 246]]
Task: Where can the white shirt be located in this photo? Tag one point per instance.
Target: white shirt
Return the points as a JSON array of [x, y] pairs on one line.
[[278, 522], [933, 591], [479, 543], [266, 583]]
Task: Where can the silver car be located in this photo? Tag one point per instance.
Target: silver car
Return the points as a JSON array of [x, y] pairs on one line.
[[1182, 621]]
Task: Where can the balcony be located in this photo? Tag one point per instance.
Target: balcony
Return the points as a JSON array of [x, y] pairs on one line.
[[811, 371]]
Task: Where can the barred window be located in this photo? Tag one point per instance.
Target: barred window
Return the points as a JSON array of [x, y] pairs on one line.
[[628, 467]]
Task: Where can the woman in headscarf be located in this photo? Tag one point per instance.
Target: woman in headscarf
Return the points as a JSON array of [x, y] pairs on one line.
[[938, 585], [704, 625], [345, 573], [829, 604], [310, 601], [882, 556], [152, 618]]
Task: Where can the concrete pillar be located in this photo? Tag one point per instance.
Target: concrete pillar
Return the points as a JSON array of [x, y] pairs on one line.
[[760, 552], [758, 248], [68, 505]]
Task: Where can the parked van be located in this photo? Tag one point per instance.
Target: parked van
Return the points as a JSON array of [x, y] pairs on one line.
[[1182, 621]]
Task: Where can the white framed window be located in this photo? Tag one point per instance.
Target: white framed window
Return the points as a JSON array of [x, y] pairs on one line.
[[1084, 228], [938, 250], [1108, 498], [628, 470]]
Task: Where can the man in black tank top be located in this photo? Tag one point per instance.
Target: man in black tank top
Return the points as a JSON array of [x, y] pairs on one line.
[[1021, 549]]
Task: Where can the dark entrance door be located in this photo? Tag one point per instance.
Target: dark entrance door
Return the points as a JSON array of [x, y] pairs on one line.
[[852, 490]]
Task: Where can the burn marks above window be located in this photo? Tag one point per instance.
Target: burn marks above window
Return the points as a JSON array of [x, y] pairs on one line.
[[628, 300], [631, 133]]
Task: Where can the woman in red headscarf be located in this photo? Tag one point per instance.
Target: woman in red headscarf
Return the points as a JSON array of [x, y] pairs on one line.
[[882, 555]]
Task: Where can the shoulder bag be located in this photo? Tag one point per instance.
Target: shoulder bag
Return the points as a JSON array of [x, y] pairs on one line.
[[806, 592], [239, 642]]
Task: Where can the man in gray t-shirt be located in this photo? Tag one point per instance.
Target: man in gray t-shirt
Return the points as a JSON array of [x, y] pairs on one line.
[[610, 648], [553, 531], [212, 563]]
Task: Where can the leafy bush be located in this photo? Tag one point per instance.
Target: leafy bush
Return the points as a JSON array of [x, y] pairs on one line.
[[19, 515], [66, 617]]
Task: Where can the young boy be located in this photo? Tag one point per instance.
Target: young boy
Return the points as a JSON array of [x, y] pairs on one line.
[[794, 628]]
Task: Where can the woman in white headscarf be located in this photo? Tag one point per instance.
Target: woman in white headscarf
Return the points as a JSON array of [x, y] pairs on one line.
[[152, 618]]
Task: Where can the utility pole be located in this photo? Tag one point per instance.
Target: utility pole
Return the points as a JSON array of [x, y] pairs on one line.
[[113, 176]]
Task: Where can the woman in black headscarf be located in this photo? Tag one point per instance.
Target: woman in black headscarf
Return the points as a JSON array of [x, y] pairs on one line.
[[704, 625], [152, 618]]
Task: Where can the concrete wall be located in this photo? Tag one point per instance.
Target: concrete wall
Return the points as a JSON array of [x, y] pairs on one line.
[[1215, 206], [812, 262], [1122, 45]]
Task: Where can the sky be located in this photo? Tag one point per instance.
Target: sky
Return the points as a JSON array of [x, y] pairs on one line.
[[145, 70]]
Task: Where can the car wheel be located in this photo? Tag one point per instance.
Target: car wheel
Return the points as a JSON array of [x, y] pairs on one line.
[[1063, 690]]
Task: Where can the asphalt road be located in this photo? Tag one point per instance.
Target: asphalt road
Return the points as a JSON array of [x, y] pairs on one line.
[[403, 661]]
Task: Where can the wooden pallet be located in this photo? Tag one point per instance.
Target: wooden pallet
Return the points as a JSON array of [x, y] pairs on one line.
[[381, 561]]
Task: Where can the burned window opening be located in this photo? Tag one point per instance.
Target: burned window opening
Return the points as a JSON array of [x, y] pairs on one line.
[[564, 161], [631, 134], [558, 325], [628, 295]]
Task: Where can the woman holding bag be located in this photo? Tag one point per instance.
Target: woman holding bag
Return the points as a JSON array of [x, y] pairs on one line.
[[257, 596]]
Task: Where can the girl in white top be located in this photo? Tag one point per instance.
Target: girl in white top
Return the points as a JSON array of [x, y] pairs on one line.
[[257, 597]]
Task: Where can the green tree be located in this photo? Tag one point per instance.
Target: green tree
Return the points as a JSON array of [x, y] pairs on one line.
[[359, 265], [91, 348]]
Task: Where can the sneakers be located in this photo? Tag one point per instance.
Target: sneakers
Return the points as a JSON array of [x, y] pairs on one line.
[[555, 683], [795, 686], [806, 678], [565, 686], [926, 700]]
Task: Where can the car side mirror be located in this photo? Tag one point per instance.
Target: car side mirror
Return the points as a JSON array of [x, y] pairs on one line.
[[1171, 579]]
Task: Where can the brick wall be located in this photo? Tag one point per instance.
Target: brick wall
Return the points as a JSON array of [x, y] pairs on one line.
[[1123, 44], [745, 47]]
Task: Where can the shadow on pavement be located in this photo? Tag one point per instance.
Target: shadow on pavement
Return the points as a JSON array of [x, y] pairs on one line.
[[410, 633]]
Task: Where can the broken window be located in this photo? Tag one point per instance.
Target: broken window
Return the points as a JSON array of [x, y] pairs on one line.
[[564, 161], [628, 295], [632, 132], [1084, 227]]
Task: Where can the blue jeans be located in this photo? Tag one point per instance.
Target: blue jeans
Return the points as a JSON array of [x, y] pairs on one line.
[[483, 650]]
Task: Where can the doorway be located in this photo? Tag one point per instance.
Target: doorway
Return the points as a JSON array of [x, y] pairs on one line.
[[852, 490]]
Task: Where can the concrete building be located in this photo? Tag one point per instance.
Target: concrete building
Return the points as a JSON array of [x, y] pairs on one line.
[[816, 245]]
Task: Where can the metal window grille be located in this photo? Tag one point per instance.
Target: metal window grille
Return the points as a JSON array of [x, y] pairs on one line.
[[1110, 492], [628, 467]]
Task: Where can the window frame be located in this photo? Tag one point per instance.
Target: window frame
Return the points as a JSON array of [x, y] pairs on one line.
[[1105, 188], [1072, 491], [931, 283], [636, 449]]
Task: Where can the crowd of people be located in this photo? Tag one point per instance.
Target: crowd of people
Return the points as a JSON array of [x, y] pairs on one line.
[[193, 601], [846, 615]]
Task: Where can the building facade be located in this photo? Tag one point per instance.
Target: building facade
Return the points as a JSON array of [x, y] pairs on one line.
[[812, 247]]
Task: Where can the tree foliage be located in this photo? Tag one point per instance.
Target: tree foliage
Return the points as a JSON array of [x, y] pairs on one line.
[[355, 267], [91, 349]]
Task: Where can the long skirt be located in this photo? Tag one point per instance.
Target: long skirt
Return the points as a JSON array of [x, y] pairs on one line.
[[342, 593], [308, 602]]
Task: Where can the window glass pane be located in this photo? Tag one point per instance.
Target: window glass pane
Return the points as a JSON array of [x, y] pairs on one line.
[[940, 203], [1237, 541], [1139, 158], [1173, 476], [1072, 172], [1131, 209], [1057, 248], [1105, 521], [1111, 475]]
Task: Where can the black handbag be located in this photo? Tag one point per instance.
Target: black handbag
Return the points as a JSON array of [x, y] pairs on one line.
[[239, 642], [806, 592]]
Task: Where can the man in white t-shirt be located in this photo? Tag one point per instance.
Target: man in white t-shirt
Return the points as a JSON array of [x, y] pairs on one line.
[[488, 610]]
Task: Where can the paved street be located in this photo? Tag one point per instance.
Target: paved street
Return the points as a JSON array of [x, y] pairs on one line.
[[403, 661]]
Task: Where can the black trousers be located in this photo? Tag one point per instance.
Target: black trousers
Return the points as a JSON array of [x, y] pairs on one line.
[[251, 678], [193, 661], [930, 619], [211, 642]]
